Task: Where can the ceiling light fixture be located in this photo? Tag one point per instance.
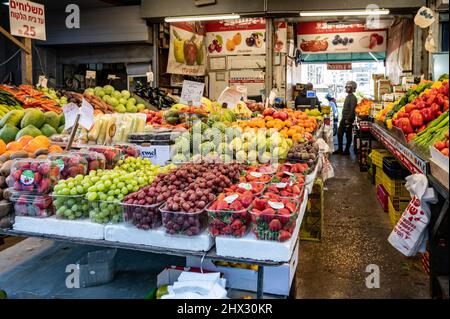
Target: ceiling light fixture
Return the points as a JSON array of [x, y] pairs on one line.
[[203, 18], [6, 3], [335, 13]]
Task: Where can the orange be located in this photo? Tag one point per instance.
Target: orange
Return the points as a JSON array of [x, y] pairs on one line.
[[237, 39], [24, 140], [44, 140], [14, 146], [2, 147], [55, 149], [33, 146]]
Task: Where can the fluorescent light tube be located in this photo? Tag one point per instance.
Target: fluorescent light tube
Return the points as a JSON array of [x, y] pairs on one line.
[[328, 13], [202, 18]]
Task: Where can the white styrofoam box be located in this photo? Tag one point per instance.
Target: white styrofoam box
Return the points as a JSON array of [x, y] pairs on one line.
[[439, 158], [218, 81], [82, 228], [157, 238], [277, 279], [158, 154], [246, 62], [265, 250]]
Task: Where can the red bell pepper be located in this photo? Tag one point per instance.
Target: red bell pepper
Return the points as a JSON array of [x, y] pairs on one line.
[[410, 107], [431, 99], [445, 105], [427, 114], [416, 118], [410, 137], [436, 107], [421, 105], [405, 125]]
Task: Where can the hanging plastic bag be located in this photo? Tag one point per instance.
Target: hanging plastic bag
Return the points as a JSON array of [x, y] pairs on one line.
[[430, 44], [323, 146], [327, 169], [424, 17], [409, 236]]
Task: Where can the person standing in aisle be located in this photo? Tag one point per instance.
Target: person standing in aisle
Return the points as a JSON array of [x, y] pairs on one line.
[[348, 116]]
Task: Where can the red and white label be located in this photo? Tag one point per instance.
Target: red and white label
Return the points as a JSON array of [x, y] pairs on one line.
[[27, 19], [320, 37], [339, 66], [235, 37]]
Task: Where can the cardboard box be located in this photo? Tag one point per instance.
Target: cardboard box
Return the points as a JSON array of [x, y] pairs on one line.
[[170, 274], [277, 279]]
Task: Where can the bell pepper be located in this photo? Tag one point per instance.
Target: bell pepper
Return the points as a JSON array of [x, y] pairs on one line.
[[421, 105], [436, 107], [410, 107], [427, 114], [416, 118], [405, 125], [445, 108]]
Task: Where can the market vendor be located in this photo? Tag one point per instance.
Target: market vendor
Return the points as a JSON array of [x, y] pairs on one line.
[[303, 100], [348, 116]]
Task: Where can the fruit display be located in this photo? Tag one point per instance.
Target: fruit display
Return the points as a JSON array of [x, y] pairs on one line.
[[228, 214], [255, 107], [435, 132], [119, 101], [112, 128], [95, 160], [304, 152], [71, 206], [7, 103], [363, 107], [182, 223], [70, 164], [255, 188], [155, 96], [153, 117], [103, 212], [27, 146], [34, 122], [128, 150], [289, 178], [442, 145], [55, 95], [413, 117], [242, 111], [32, 205], [32, 98], [256, 177], [34, 175], [274, 218], [112, 154], [142, 216], [315, 45]]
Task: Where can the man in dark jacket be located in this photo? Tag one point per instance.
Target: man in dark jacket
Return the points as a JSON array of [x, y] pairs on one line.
[[348, 116]]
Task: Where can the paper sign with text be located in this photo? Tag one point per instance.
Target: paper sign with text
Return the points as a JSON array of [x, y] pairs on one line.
[[91, 74], [230, 96], [192, 92], [70, 115], [27, 19], [86, 115]]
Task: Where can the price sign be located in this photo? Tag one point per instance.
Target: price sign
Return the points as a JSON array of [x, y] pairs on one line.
[[192, 92], [27, 19], [91, 74], [43, 81], [230, 96], [113, 77], [70, 115], [86, 115], [150, 77]]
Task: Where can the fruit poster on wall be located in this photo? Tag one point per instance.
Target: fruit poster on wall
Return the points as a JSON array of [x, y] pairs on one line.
[[234, 37], [280, 38], [321, 37], [187, 49]]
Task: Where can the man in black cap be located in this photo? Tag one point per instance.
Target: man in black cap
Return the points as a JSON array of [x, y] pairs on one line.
[[348, 117]]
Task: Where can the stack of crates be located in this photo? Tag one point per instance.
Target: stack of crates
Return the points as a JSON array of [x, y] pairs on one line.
[[376, 156], [312, 223], [393, 180]]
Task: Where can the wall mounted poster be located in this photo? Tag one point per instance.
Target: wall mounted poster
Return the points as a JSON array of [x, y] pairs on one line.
[[235, 37], [321, 37], [187, 49]]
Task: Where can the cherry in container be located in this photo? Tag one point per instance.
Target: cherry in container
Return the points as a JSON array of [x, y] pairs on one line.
[[37, 176], [70, 164]]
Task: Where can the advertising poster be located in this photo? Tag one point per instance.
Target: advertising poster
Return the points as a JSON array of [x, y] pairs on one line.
[[280, 38], [187, 49], [235, 37], [320, 37]]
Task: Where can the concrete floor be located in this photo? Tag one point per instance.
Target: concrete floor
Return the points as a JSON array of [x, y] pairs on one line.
[[355, 235]]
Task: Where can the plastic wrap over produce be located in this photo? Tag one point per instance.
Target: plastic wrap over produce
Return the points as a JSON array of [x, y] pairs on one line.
[[409, 235], [112, 128]]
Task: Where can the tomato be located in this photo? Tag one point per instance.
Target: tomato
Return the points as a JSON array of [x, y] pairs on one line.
[[439, 145], [445, 151]]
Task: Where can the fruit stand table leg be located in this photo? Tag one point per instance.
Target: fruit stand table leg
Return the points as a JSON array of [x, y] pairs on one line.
[[260, 283]]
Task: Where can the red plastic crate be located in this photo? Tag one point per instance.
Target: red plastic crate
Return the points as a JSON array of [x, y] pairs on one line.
[[383, 197]]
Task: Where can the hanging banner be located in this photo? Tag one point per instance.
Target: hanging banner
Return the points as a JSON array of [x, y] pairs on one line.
[[27, 19], [234, 37], [187, 49], [320, 37], [280, 38], [400, 49]]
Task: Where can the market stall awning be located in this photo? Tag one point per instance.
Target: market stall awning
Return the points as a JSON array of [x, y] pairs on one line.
[[343, 57]]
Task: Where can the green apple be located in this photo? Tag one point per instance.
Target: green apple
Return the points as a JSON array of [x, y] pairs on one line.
[[117, 95], [114, 102], [131, 108], [121, 108], [123, 101], [140, 107], [126, 94]]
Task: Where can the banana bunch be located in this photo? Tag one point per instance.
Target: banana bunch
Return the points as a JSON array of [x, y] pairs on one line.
[[242, 110], [4, 109]]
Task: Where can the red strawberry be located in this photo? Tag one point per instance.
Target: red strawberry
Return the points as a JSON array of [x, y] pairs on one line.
[[227, 230], [268, 214], [284, 235], [246, 199], [37, 178], [214, 231], [284, 215], [17, 174], [44, 186], [213, 206], [236, 224], [222, 205], [291, 206], [236, 206], [240, 232], [275, 225], [260, 204], [296, 189]]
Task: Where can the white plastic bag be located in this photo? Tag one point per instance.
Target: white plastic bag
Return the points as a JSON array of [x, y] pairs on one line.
[[410, 234], [327, 168]]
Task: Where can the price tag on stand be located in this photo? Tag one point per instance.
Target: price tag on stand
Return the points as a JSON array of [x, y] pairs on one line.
[[113, 77], [70, 115], [150, 77], [91, 75], [86, 115], [192, 92], [230, 96]]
